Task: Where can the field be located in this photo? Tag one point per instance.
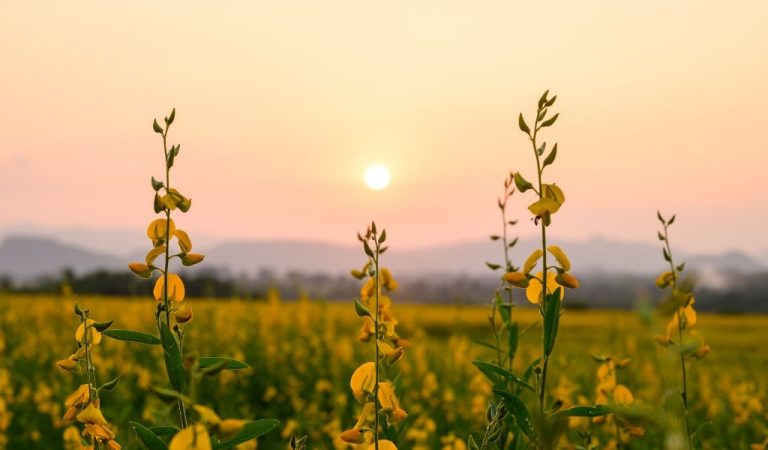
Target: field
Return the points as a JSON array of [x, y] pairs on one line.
[[302, 354]]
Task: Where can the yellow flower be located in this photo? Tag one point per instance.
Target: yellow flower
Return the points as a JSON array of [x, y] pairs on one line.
[[665, 279], [353, 436], [568, 280], [533, 258], [175, 288], [560, 256], [535, 288], [98, 431], [367, 290], [194, 437], [157, 230], [183, 314], [518, 279], [622, 395], [81, 396], [363, 381], [140, 269], [231, 426], [91, 414], [383, 445], [68, 364], [387, 281], [94, 336], [207, 415]]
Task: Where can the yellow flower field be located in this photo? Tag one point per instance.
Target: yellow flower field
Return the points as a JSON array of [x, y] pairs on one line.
[[302, 354]]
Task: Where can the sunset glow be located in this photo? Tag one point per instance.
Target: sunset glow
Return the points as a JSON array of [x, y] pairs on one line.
[[377, 177], [298, 99]]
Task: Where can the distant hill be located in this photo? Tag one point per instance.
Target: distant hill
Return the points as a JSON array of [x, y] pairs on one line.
[[25, 258], [31, 256]]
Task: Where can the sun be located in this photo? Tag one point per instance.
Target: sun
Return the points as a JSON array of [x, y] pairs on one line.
[[377, 177]]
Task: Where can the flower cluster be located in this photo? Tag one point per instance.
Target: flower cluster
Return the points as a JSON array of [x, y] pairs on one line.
[[84, 405], [369, 387]]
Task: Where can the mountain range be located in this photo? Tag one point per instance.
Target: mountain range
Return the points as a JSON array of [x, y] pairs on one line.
[[26, 257]]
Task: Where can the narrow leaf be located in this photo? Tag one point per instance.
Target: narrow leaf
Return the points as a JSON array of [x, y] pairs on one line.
[[231, 364], [523, 126], [588, 411], [148, 438], [520, 412], [485, 366], [172, 357], [551, 157], [550, 121], [133, 336], [251, 430]]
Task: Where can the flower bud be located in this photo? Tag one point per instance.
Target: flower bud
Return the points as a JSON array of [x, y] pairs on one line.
[[518, 279], [91, 414], [662, 340], [702, 351], [190, 259], [68, 364], [140, 269], [183, 314], [353, 436], [568, 280]]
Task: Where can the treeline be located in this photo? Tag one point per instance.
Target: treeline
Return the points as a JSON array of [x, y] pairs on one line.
[[741, 293]]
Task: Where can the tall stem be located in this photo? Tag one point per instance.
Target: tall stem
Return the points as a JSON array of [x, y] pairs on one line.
[[684, 393], [544, 358], [376, 344], [166, 302]]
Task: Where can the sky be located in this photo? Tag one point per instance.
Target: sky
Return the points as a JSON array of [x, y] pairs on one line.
[[281, 106]]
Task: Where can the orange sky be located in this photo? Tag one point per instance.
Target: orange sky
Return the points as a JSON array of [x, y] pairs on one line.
[[282, 105]]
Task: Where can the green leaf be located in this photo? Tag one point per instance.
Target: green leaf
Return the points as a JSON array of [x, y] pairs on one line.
[[531, 367], [102, 326], [519, 412], [495, 237], [133, 336], [251, 430], [383, 236], [171, 117], [367, 249], [587, 411], [551, 157], [486, 344], [492, 266], [172, 357], [661, 236], [543, 98], [147, 437], [551, 320], [521, 183], [523, 126], [231, 364], [666, 255], [550, 121], [157, 185], [164, 430], [156, 126], [171, 157], [170, 395], [512, 337], [503, 309], [361, 310], [486, 367], [109, 385], [671, 220], [661, 219]]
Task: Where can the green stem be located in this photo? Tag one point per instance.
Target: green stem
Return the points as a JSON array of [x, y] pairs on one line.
[[543, 303], [684, 393], [166, 302], [376, 344]]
